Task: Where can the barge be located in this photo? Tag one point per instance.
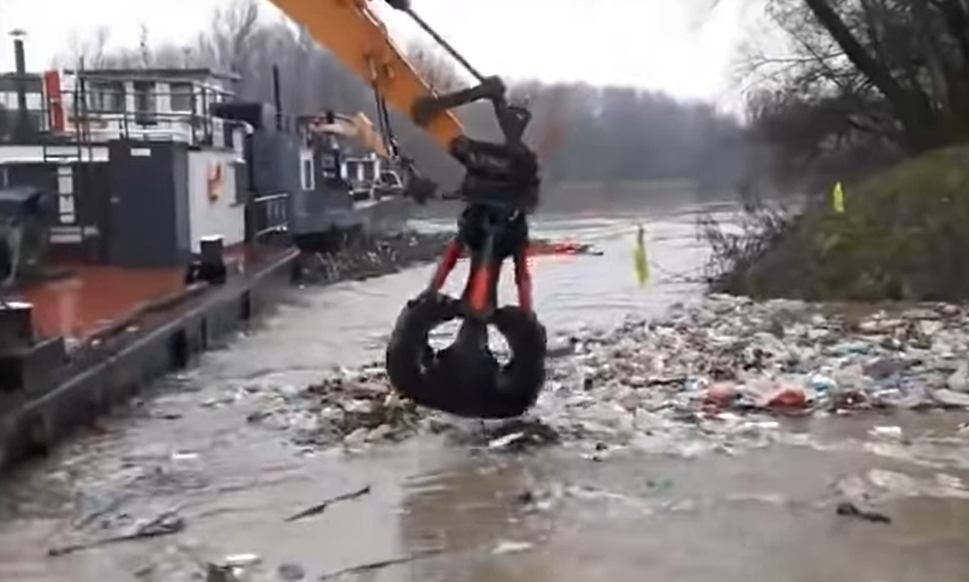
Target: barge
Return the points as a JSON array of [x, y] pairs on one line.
[[144, 215]]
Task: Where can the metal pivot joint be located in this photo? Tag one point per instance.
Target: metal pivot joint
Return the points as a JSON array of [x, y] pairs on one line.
[[500, 188]]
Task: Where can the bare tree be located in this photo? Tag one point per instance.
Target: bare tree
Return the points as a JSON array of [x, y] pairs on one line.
[[232, 28], [98, 50], [92, 51], [864, 82], [913, 53], [581, 132]]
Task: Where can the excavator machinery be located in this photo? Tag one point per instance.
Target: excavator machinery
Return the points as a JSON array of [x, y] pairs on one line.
[[402, 177], [500, 189], [356, 127]]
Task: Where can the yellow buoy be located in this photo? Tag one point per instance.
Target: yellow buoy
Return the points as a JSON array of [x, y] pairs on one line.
[[838, 198], [640, 260]]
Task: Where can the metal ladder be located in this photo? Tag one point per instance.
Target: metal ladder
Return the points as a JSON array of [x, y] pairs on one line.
[[66, 158]]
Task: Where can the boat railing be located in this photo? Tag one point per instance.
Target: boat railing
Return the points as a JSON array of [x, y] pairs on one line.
[[267, 215], [92, 113]]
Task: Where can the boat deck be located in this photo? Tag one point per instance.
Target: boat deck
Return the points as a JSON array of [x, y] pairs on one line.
[[91, 298], [94, 298], [128, 326]]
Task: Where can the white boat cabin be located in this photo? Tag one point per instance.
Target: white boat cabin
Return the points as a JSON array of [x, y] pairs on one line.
[[92, 129], [97, 106]]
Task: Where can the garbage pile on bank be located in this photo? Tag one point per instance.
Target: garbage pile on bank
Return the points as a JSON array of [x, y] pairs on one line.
[[704, 373], [782, 357], [721, 375], [379, 257]]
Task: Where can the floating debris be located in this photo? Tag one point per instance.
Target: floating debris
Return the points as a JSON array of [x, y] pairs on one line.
[[511, 436], [716, 376], [353, 408], [711, 364], [291, 572], [887, 432], [380, 565], [162, 525], [236, 568], [511, 547], [846, 508], [372, 258], [321, 507]]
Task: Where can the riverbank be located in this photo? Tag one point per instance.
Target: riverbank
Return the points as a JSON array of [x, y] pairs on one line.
[[899, 235]]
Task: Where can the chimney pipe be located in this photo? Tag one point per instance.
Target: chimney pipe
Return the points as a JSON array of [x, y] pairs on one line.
[[23, 120], [277, 99]]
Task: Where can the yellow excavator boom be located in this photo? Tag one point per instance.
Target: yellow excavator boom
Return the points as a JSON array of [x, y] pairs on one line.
[[359, 39]]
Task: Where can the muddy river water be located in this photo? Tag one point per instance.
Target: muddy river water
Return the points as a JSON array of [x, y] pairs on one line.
[[550, 515]]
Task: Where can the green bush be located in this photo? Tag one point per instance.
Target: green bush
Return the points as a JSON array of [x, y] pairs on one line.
[[904, 236]]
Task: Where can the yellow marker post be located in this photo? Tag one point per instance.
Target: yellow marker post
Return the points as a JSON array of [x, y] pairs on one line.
[[838, 198], [640, 260]]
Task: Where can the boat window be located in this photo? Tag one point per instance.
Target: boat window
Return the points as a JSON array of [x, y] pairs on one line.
[[308, 174], [145, 97], [106, 96], [182, 97]]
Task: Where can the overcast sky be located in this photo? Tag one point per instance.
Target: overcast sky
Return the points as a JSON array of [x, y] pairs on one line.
[[678, 46]]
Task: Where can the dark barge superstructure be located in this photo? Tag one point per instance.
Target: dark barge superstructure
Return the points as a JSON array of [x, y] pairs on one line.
[[144, 214]]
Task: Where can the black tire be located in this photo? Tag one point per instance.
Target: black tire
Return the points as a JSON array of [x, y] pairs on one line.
[[478, 389]]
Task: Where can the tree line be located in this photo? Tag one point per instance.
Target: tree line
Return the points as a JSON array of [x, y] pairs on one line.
[[602, 134], [861, 85]]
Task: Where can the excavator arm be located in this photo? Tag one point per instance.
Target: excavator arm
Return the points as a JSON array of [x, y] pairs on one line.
[[500, 187], [359, 39]]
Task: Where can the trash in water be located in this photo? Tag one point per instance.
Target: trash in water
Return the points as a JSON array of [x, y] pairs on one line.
[[321, 507], [893, 432], [502, 442], [510, 436], [846, 508], [950, 398], [242, 560], [721, 395], [355, 408], [661, 485], [700, 379], [789, 399], [166, 523], [184, 456], [236, 568], [379, 565], [823, 384], [511, 547], [290, 572]]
